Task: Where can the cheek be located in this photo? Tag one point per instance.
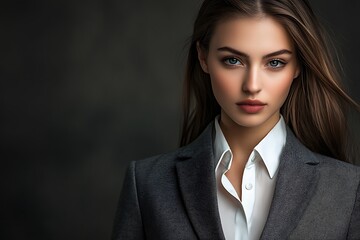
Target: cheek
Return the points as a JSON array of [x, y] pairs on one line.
[[225, 84], [280, 87]]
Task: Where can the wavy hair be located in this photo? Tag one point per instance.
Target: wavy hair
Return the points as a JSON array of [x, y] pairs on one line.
[[317, 104]]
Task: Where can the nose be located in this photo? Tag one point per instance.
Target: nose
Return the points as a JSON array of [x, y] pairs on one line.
[[252, 83]]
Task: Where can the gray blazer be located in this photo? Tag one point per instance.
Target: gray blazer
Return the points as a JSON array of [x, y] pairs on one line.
[[173, 196]]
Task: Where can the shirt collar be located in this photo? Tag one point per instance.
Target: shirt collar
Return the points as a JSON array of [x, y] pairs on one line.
[[269, 148], [221, 147]]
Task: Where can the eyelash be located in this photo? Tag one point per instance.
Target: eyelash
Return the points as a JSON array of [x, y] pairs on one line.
[[227, 59], [278, 61], [282, 63]]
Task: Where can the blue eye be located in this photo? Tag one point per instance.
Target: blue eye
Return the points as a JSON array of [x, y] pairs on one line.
[[232, 61], [276, 63]]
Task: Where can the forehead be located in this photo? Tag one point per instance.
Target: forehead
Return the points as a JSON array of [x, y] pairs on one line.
[[251, 35]]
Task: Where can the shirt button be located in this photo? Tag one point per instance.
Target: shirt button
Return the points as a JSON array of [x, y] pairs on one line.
[[248, 186]]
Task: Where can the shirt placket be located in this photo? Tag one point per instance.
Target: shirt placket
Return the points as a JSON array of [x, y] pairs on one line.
[[248, 188]]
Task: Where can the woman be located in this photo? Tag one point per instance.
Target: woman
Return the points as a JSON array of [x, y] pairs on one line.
[[264, 122]]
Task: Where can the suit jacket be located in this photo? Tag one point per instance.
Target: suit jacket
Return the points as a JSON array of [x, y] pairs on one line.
[[173, 196]]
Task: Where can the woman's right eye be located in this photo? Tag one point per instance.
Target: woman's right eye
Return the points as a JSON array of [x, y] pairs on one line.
[[232, 61]]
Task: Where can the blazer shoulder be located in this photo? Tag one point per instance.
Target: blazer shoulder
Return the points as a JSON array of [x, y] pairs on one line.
[[337, 165], [296, 149], [338, 173], [200, 147], [162, 159]]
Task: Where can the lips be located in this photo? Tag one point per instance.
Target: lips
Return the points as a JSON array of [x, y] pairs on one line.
[[251, 106]]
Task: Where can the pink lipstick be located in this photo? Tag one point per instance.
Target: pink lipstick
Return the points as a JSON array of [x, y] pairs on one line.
[[251, 106]]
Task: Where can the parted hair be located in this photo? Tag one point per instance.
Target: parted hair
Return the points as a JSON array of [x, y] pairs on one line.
[[317, 105]]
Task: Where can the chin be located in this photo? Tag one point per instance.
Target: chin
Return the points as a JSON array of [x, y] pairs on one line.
[[251, 120], [249, 124]]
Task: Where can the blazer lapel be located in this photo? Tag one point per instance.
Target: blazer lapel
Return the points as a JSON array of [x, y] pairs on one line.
[[196, 175], [297, 180]]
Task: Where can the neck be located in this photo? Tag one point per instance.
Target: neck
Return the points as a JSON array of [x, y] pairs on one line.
[[242, 139]]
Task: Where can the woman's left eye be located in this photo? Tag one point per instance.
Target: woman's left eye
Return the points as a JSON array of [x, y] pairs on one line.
[[276, 63]]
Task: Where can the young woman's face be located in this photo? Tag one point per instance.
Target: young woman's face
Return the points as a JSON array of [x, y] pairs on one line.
[[251, 63]]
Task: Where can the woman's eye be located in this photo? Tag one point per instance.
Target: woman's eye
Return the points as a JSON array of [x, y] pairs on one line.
[[276, 63], [232, 61]]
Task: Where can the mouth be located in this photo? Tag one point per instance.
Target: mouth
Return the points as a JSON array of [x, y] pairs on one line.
[[251, 106]]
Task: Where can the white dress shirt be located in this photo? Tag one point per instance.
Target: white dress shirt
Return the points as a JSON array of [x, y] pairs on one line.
[[245, 219]]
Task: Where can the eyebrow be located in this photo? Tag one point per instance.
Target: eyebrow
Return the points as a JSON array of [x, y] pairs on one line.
[[229, 49]]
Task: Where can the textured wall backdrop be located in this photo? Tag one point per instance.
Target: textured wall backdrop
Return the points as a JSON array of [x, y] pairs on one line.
[[86, 87]]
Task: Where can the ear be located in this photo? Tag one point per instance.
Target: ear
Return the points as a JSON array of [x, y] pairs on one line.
[[202, 56], [297, 72]]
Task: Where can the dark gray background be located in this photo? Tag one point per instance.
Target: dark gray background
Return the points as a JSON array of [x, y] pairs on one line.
[[87, 86]]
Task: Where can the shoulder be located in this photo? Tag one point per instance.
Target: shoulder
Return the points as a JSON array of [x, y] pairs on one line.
[[200, 147], [158, 162], [298, 152], [329, 162], [339, 171], [332, 173]]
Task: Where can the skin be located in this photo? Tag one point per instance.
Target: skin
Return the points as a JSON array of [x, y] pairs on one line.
[[241, 69]]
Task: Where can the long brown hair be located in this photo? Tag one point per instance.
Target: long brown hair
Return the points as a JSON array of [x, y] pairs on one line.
[[316, 106]]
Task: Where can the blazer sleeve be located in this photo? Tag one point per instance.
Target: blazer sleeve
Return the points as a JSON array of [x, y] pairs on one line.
[[128, 222], [354, 228]]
